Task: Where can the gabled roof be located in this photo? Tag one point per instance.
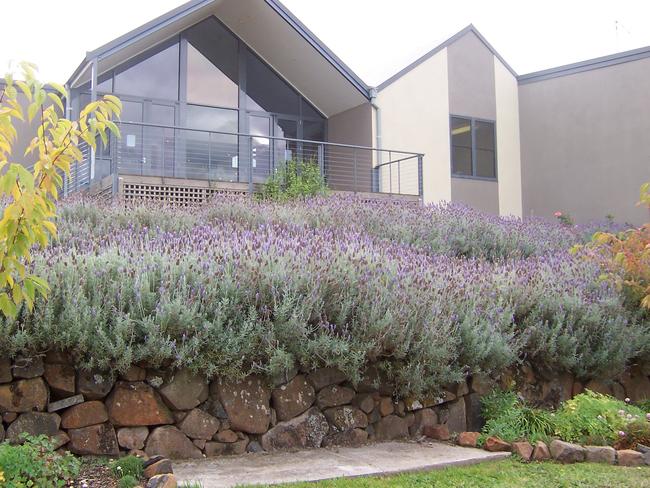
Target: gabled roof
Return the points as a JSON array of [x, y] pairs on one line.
[[440, 47], [194, 8], [588, 65]]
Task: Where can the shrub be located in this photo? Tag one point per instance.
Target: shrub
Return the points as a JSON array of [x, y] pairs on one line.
[[625, 257], [295, 179], [636, 432], [510, 419], [35, 463], [128, 466], [240, 286], [593, 418], [128, 482]]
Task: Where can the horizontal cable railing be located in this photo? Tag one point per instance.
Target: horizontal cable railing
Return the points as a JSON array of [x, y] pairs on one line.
[[175, 152]]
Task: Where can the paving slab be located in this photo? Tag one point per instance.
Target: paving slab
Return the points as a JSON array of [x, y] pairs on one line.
[[321, 464]]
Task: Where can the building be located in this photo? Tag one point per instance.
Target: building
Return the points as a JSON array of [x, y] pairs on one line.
[[219, 93]]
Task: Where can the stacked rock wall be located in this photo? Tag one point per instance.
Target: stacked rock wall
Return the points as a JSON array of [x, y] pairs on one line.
[[181, 415]]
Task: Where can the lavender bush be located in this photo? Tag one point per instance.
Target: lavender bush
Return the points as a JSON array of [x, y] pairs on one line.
[[428, 294]]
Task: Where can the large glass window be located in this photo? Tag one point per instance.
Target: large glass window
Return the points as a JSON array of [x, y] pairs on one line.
[[473, 148], [266, 91], [209, 153], [212, 65], [155, 76]]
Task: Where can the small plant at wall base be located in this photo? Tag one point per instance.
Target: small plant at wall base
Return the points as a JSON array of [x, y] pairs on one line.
[[35, 464], [31, 195], [295, 179]]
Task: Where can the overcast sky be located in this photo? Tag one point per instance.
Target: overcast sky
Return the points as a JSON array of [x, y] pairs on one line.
[[376, 38]]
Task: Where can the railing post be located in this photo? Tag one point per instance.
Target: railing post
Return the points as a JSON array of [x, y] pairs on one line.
[[355, 170], [420, 182], [321, 160], [115, 164], [209, 153], [250, 165], [390, 172], [399, 176]]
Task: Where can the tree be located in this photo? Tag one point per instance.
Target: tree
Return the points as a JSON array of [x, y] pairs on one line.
[[30, 197]]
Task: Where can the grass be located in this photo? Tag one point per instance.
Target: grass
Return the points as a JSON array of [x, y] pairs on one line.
[[508, 473]]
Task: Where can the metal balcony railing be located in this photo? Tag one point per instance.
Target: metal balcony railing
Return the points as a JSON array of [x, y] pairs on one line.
[[176, 152]]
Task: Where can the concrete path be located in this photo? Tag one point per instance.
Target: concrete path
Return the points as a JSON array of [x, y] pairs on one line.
[[321, 464]]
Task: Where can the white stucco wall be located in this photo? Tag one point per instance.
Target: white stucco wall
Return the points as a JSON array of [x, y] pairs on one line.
[[415, 117], [508, 142]]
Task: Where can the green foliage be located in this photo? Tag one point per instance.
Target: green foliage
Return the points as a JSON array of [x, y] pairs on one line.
[[510, 419], [294, 180], [635, 433], [127, 481], [132, 466], [191, 484], [593, 418], [644, 405], [509, 473], [29, 210], [35, 464]]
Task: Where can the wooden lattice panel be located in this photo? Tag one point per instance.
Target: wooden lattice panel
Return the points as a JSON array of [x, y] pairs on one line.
[[178, 194]]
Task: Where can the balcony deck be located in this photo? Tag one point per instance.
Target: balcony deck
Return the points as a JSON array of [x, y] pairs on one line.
[[188, 165]]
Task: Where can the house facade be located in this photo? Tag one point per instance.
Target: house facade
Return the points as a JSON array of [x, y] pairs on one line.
[[219, 94]]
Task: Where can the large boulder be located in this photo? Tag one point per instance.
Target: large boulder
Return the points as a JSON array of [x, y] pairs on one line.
[[474, 412], [391, 427], [334, 396], [5, 370], [84, 414], [630, 458], [600, 454], [95, 440], [541, 452], [137, 404], [247, 404], [423, 418], [306, 431], [61, 378], [292, 399], [349, 438], [94, 386], [28, 367], [637, 385], [565, 452], [24, 396], [184, 390], [199, 425], [456, 419], [346, 418], [132, 437], [213, 449], [34, 424], [170, 442], [523, 449], [323, 377]]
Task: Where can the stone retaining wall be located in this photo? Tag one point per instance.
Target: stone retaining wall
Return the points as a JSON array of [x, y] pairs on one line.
[[181, 415]]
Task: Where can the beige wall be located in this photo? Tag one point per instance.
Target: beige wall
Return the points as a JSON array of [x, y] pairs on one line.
[[472, 94], [479, 194], [354, 127], [508, 141], [585, 144], [471, 78], [415, 117]]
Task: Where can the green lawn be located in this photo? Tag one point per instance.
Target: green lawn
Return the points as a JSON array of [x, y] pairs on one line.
[[509, 473]]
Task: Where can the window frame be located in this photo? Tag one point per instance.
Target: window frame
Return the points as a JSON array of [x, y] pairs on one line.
[[474, 175]]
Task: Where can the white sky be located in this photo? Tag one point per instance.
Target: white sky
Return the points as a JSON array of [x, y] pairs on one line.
[[376, 38]]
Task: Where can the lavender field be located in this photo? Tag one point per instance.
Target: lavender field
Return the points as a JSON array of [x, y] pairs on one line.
[[238, 286]]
